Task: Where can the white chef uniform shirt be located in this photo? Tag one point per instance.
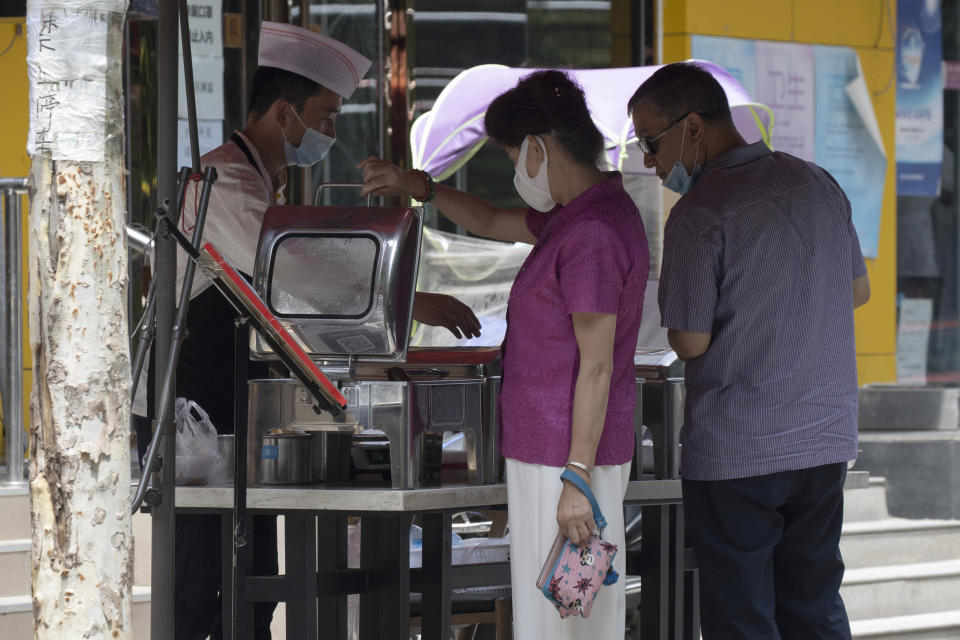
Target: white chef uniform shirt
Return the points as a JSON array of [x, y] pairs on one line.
[[239, 199]]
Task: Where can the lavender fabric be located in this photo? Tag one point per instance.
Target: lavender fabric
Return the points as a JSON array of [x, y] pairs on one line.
[[444, 137], [762, 254], [591, 256]]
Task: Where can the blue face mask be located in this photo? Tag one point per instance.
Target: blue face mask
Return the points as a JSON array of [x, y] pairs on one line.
[[678, 180], [313, 148]]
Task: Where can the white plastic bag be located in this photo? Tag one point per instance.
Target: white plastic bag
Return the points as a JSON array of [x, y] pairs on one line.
[[199, 460]]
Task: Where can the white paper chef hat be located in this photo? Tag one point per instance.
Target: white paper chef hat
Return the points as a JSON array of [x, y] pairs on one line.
[[324, 60]]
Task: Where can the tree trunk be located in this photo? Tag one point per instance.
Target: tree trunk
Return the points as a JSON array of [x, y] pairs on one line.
[[79, 441]]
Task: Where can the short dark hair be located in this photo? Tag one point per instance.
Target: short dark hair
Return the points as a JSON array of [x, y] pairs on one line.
[[680, 88], [545, 102], [271, 84]]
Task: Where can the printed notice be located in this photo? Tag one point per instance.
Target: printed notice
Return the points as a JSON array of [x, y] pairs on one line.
[[913, 336], [207, 89], [785, 83], [209, 134], [205, 19], [75, 114], [847, 143], [736, 55]]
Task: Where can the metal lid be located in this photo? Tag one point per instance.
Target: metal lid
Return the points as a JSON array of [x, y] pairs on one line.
[[340, 279], [656, 363]]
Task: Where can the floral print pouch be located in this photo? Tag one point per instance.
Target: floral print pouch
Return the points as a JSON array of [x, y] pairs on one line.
[[572, 575]]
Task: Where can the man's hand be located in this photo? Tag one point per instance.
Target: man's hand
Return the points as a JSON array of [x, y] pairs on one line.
[[439, 310], [574, 514]]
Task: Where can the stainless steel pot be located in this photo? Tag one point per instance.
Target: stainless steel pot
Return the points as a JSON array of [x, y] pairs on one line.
[[284, 459], [226, 446], [330, 456]]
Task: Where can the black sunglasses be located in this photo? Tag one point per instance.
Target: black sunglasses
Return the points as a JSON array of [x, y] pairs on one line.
[[648, 147]]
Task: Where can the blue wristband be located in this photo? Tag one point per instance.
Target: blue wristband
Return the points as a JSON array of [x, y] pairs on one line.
[[578, 482]]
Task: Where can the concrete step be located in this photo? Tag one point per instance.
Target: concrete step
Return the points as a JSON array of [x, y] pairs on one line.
[[901, 590], [868, 503], [944, 625], [15, 560], [15, 507], [16, 616], [14, 567], [894, 541]]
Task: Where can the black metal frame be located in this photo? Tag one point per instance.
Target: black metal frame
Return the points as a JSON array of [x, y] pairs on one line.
[[385, 579]]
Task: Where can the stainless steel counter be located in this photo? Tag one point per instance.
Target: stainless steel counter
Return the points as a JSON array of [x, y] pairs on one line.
[[380, 500], [316, 585], [363, 499]]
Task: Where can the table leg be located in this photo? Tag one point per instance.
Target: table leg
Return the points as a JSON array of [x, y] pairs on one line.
[[385, 551], [664, 609], [301, 562], [331, 553], [243, 624], [677, 576], [655, 599], [437, 531], [226, 572]]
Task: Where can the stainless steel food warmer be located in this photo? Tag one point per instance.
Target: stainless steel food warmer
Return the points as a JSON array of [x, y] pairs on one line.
[[661, 406], [341, 280]]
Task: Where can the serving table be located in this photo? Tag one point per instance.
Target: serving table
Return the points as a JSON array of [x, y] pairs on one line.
[[316, 536]]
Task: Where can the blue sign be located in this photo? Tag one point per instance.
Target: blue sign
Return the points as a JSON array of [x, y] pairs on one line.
[[919, 97]]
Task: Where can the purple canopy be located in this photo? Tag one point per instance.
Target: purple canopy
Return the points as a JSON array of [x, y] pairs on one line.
[[443, 139]]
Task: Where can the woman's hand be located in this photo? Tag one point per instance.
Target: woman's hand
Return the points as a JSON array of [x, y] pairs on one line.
[[440, 310], [574, 514], [382, 178]]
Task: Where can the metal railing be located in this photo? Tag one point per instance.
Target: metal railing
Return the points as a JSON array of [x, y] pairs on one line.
[[11, 310], [12, 191]]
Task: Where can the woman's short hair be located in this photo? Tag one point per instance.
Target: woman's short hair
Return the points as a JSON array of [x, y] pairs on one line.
[[680, 88], [271, 84], [546, 102]]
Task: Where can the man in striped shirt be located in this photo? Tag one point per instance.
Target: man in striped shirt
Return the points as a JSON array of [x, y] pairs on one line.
[[761, 272]]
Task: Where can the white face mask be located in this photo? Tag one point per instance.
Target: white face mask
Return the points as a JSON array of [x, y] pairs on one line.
[[534, 191], [313, 148]]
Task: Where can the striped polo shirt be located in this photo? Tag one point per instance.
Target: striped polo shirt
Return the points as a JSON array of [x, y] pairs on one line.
[[761, 253]]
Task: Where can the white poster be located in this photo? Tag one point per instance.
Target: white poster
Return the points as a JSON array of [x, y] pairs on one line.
[[208, 89], [785, 83], [913, 336], [75, 112], [206, 28], [209, 134]]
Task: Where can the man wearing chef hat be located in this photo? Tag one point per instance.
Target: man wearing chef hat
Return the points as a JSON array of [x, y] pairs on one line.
[[299, 87]]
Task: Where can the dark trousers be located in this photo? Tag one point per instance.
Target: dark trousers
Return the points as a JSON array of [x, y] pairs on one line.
[[197, 602], [205, 375], [768, 554]]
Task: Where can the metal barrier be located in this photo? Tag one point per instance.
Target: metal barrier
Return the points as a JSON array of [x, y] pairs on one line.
[[11, 323], [11, 383]]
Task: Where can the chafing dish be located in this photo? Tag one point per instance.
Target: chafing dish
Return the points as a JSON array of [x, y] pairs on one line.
[[342, 280], [660, 407]]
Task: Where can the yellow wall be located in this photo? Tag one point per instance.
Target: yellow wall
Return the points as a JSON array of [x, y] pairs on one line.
[[866, 26], [14, 161]]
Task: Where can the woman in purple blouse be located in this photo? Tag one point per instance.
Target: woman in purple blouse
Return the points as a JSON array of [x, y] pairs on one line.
[[568, 389]]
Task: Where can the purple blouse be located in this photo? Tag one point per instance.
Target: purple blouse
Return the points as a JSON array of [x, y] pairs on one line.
[[591, 256]]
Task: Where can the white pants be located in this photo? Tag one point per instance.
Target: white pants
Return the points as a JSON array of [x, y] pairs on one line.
[[532, 494]]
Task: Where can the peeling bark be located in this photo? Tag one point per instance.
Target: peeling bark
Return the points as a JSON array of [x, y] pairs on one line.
[[82, 563]]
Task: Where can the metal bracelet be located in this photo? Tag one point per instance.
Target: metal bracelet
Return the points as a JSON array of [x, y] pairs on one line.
[[579, 465]]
